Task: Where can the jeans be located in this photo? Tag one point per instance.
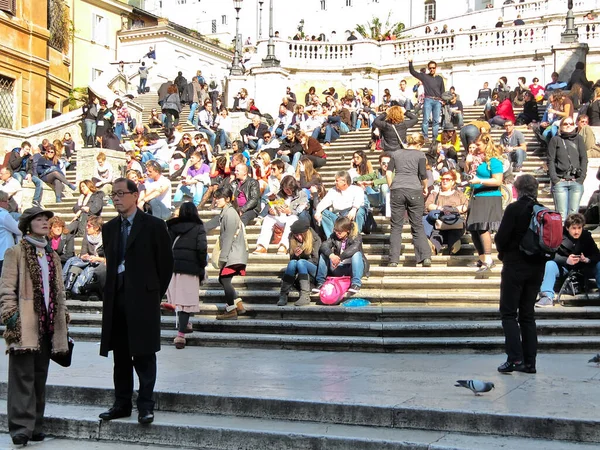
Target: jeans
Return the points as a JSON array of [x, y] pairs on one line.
[[296, 159], [119, 130], [224, 139], [329, 136], [301, 267], [192, 115], [518, 156], [553, 271], [212, 136], [377, 198], [432, 108], [20, 176], [468, 134], [37, 193], [330, 217], [458, 118], [355, 269], [567, 196], [497, 120], [90, 131], [196, 191], [171, 117], [439, 238], [142, 86], [411, 201], [159, 209]]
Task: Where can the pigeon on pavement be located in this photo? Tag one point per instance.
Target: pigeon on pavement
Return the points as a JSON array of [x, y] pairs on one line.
[[476, 386], [595, 359]]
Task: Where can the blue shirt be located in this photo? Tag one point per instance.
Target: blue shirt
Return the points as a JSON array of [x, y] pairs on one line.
[[485, 172]]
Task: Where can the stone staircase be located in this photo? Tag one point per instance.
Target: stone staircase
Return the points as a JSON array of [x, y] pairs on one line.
[[441, 308]]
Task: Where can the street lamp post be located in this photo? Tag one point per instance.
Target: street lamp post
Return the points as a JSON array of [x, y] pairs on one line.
[[260, 4], [270, 60], [570, 35], [236, 68]]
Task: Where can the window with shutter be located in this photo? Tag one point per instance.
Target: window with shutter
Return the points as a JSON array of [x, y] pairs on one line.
[[9, 6]]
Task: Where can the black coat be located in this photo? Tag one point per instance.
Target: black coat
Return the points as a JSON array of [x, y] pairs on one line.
[[388, 135], [95, 203], [353, 245], [564, 153], [190, 250], [149, 267], [250, 130], [66, 247], [571, 246], [251, 190]]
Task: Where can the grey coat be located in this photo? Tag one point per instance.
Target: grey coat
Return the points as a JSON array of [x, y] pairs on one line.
[[234, 249]]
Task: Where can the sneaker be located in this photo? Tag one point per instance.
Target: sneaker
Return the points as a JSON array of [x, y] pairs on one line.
[[540, 171], [545, 302], [73, 186], [36, 203], [354, 288], [392, 264], [508, 367], [427, 262], [317, 288], [189, 122]]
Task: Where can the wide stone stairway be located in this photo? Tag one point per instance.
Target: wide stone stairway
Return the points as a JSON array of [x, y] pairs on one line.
[[441, 308]]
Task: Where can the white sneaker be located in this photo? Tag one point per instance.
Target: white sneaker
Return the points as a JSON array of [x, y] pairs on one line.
[[545, 302]]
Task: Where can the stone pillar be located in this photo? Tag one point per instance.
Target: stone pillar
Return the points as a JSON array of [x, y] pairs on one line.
[[271, 83], [86, 161], [566, 56], [233, 86]]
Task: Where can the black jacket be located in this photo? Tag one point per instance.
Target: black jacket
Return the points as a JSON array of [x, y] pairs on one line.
[[571, 246], [593, 113], [251, 190], [250, 130], [293, 146], [579, 77], [353, 245], [316, 247], [66, 247], [388, 135], [513, 227], [15, 160], [88, 248], [190, 250], [564, 152]]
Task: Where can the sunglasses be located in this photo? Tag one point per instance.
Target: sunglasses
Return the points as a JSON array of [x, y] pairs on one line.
[[432, 67], [568, 123], [447, 179]]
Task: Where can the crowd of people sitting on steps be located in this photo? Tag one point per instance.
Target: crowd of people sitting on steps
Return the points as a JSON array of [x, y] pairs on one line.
[[448, 181]]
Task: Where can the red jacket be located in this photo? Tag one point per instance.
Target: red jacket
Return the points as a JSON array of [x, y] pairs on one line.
[[505, 110]]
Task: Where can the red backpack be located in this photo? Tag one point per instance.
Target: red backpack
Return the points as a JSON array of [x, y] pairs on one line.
[[544, 234]]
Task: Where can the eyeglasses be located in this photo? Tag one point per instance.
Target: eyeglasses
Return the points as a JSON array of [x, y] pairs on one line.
[[185, 139], [568, 124], [447, 179], [119, 194], [49, 153], [432, 67]]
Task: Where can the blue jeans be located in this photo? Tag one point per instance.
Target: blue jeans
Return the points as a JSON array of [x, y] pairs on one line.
[[90, 130], [468, 134], [330, 217], [553, 271], [296, 159], [567, 197], [159, 209], [224, 139], [119, 130], [142, 85], [518, 156], [196, 191], [19, 176], [355, 269], [192, 116], [329, 136], [301, 267], [432, 108], [37, 193], [212, 136]]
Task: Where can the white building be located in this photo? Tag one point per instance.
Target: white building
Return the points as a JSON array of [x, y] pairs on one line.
[[217, 17]]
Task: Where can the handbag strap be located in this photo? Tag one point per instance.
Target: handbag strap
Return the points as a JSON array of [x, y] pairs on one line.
[[400, 141]]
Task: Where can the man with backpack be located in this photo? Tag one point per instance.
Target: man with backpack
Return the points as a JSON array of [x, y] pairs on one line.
[[522, 273], [578, 251]]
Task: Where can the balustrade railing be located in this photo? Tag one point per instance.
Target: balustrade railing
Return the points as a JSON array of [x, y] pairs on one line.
[[422, 47], [516, 37], [320, 51]]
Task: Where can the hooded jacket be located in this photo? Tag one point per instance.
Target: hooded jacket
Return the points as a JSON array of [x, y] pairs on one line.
[[190, 250]]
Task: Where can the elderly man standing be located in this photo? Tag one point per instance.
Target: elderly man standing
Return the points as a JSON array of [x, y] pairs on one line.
[[343, 200]]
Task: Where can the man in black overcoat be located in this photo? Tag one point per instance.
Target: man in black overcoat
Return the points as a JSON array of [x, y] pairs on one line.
[[139, 265]]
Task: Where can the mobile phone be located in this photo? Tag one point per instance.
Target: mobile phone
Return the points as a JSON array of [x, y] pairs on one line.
[[576, 256]]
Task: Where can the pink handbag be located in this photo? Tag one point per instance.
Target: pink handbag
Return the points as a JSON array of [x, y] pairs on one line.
[[333, 290]]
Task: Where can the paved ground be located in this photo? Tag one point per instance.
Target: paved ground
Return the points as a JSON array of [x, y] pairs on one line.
[[565, 386]]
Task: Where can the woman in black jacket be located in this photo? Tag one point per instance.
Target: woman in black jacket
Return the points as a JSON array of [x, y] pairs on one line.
[[392, 127], [89, 203], [60, 239], [189, 252], [567, 167], [304, 257]]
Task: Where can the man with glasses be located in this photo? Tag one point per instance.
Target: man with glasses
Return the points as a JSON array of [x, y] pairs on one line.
[[139, 266], [514, 145], [433, 86], [589, 137]]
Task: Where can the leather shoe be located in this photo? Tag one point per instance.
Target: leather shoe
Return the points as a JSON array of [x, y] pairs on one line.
[[116, 412], [145, 417], [38, 437], [20, 439]]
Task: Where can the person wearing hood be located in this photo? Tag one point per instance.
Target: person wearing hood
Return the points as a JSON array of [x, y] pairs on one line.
[[188, 238], [567, 167], [33, 310]]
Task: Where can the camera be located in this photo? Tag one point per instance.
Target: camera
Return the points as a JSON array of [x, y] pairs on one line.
[[575, 173]]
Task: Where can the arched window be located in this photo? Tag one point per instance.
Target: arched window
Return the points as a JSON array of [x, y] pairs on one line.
[[429, 10]]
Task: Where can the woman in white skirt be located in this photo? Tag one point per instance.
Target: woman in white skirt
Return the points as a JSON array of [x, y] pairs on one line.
[[189, 251], [289, 204]]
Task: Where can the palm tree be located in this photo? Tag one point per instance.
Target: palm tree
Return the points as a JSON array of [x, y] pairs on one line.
[[375, 29]]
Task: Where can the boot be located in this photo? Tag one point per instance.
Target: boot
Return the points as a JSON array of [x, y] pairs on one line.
[[239, 306], [286, 284], [229, 314], [304, 298]]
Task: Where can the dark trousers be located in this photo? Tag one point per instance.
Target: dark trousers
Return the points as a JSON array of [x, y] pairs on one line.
[[26, 396], [124, 363], [248, 216], [519, 287], [411, 201]]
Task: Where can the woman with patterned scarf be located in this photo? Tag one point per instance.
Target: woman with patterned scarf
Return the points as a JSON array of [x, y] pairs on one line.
[[32, 306]]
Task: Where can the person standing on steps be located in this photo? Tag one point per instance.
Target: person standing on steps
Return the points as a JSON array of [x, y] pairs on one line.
[[234, 251], [143, 71], [521, 280], [434, 88], [139, 265], [33, 309], [189, 244]]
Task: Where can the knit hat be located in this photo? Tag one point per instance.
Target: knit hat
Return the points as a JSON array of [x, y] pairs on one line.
[[300, 226], [31, 213]]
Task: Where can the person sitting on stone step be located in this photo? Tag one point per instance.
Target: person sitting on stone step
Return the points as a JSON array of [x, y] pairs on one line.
[[342, 254], [343, 200], [375, 185], [304, 245], [578, 251]]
